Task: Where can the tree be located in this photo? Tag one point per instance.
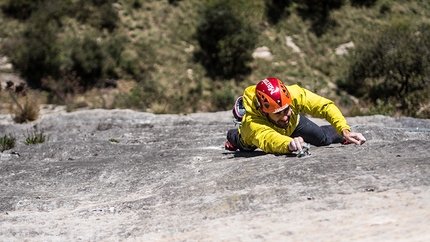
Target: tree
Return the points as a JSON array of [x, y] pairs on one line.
[[393, 66], [318, 12], [276, 9], [226, 43]]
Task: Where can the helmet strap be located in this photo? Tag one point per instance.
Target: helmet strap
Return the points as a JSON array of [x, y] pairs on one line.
[[257, 103]]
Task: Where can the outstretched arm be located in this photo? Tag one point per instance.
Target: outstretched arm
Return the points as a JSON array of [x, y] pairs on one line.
[[317, 106]]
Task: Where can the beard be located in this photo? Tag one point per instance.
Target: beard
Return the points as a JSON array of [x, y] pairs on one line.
[[281, 123]]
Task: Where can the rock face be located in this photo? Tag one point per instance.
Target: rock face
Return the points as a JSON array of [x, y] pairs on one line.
[[169, 179]]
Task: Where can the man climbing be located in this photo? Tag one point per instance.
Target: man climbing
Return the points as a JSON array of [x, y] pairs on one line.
[[274, 120]]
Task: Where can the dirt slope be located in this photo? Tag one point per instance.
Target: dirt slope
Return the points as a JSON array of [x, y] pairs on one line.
[[169, 179]]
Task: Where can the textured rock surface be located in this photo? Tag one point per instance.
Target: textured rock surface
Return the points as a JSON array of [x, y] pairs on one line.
[[169, 179]]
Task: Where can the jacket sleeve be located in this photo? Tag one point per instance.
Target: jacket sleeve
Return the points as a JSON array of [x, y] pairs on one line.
[[319, 107]]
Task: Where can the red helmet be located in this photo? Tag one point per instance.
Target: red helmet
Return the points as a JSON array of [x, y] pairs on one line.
[[272, 95]]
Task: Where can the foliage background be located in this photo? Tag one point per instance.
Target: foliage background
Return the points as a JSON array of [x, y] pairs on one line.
[[185, 56]]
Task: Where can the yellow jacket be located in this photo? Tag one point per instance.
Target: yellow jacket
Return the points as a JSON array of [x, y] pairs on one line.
[[257, 130]]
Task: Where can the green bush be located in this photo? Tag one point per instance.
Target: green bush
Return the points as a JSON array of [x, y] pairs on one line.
[[186, 98], [385, 6], [48, 48], [136, 4], [363, 3], [392, 66], [223, 99], [141, 96], [38, 11], [36, 54], [174, 2], [138, 62], [20, 9], [226, 43], [113, 48], [88, 60], [276, 9], [318, 13], [99, 14], [63, 90], [40, 55]]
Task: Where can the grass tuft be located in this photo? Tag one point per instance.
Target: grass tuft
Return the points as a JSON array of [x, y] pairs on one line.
[[27, 113], [7, 142], [35, 137]]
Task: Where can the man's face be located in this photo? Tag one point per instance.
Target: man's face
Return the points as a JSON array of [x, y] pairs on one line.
[[281, 119]]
